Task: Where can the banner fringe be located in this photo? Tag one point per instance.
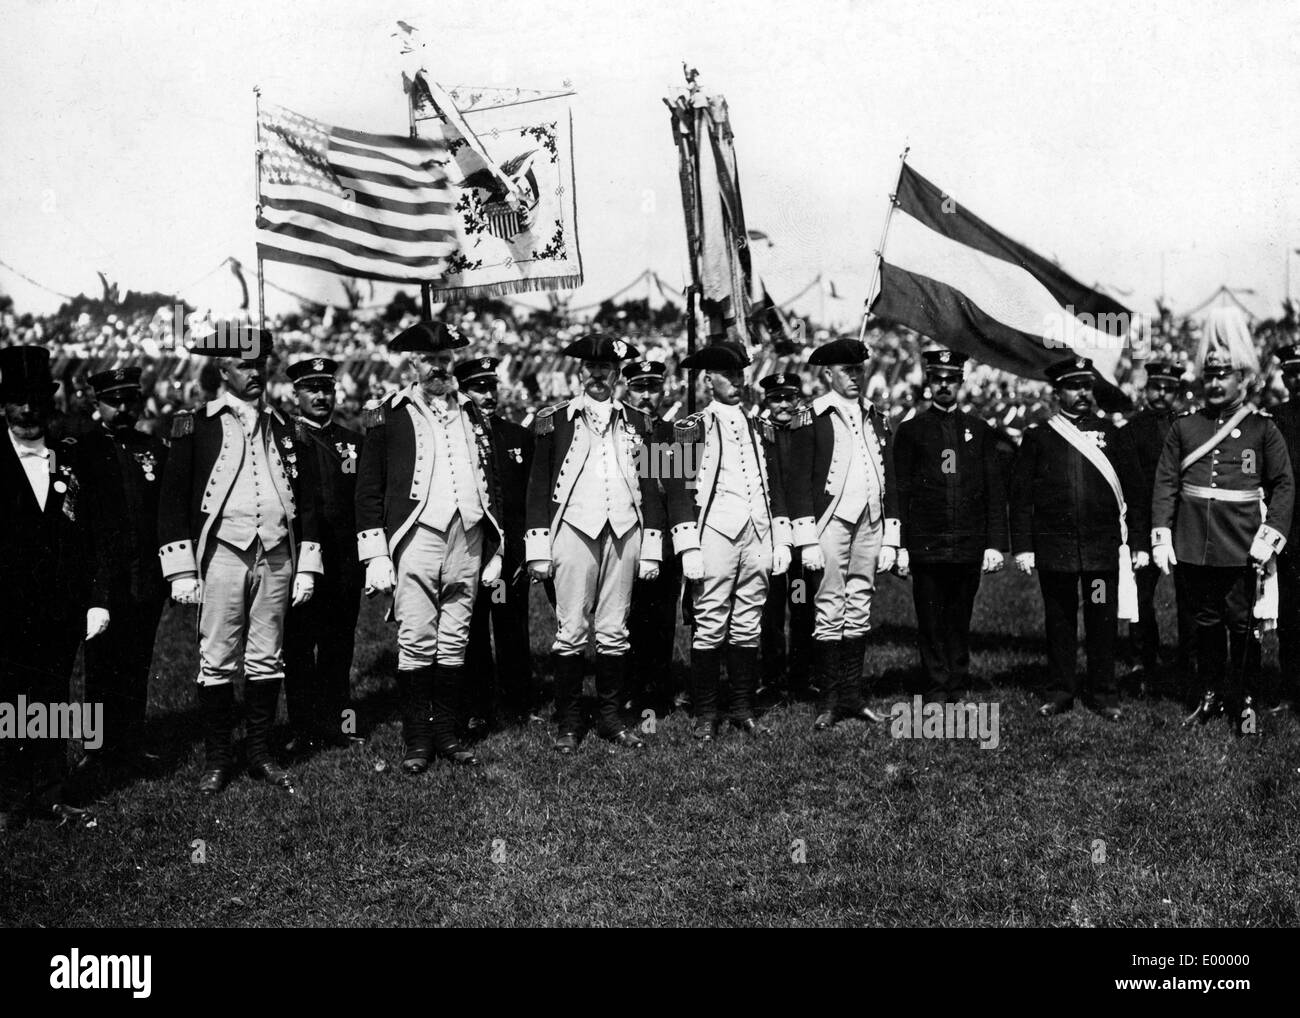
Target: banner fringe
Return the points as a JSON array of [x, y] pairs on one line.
[[507, 287]]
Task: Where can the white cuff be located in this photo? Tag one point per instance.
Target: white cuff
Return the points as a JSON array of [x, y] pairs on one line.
[[652, 546], [1161, 536], [178, 558], [686, 536], [781, 531], [371, 544], [537, 545], [1275, 539], [804, 531], [893, 533], [309, 558]]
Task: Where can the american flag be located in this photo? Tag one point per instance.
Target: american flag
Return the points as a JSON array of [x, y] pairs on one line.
[[374, 206]]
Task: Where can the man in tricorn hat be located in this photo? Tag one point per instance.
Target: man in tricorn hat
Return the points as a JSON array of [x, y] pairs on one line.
[[57, 541], [952, 505], [233, 487], [595, 523], [1076, 508], [843, 513], [731, 531], [117, 664], [320, 636], [1221, 512], [429, 530]]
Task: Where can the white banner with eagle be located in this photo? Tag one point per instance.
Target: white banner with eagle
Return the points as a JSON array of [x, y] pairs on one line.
[[515, 213]]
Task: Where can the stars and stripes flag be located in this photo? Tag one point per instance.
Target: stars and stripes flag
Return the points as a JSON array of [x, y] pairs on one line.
[[373, 206], [950, 276]]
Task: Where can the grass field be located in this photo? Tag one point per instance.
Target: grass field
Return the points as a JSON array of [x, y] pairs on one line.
[[1070, 822]]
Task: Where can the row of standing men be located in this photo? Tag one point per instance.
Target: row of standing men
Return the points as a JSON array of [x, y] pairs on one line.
[[273, 526]]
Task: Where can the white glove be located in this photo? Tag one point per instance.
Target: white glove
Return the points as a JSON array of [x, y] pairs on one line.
[[380, 578], [1260, 552], [1025, 562], [646, 569], [540, 569], [888, 556], [903, 563], [304, 585], [491, 571], [96, 622], [993, 560], [187, 590], [812, 557], [780, 559], [1141, 560], [1163, 556], [693, 564]]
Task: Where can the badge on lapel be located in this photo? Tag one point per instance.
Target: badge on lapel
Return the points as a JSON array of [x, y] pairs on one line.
[[517, 455], [148, 463], [969, 436]]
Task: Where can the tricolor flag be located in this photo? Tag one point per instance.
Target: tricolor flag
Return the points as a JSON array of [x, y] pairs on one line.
[[373, 206], [949, 275]]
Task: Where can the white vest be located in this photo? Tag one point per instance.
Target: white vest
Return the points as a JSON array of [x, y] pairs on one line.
[[600, 493], [453, 487], [861, 486], [253, 508], [738, 488]]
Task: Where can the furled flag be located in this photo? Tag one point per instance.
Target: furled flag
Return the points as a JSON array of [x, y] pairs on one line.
[[949, 275], [373, 206]]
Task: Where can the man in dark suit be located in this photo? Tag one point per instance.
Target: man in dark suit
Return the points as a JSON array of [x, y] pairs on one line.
[[57, 537], [232, 489], [844, 515], [1145, 433], [1287, 418], [320, 635], [1066, 523], [117, 664], [505, 604], [785, 666], [953, 509], [652, 622]]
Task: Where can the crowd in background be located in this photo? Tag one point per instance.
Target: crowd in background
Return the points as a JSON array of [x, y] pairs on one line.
[[89, 336]]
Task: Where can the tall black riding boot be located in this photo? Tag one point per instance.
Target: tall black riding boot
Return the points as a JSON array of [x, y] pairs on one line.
[[569, 669], [706, 666], [446, 695], [851, 703], [217, 716], [609, 698], [742, 681], [415, 688], [261, 699], [826, 661]]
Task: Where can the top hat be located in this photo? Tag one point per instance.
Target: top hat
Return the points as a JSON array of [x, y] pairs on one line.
[[25, 372]]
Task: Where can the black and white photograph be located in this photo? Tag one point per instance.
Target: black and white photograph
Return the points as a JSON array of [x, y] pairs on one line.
[[725, 464]]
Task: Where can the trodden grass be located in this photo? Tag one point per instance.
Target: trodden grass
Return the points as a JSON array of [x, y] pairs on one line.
[[1072, 821]]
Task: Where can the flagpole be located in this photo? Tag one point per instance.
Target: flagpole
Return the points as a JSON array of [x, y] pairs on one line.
[[426, 288], [880, 251], [257, 187]]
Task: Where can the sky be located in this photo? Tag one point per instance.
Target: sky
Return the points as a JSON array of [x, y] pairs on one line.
[[1115, 137]]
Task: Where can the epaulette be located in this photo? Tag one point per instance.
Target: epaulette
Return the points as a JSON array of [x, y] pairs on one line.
[[183, 424], [544, 422], [802, 418], [1263, 413], [766, 430], [373, 414], [690, 429], [300, 431]]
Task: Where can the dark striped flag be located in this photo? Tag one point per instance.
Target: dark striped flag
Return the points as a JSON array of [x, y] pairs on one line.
[[374, 206], [949, 275]]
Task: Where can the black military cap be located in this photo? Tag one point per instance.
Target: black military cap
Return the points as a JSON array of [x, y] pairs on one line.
[[644, 369], [1164, 369], [104, 382], [944, 359], [312, 368], [25, 372], [722, 356], [1070, 367], [601, 349], [481, 367], [840, 351], [234, 339], [781, 381], [428, 337], [1288, 356]]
